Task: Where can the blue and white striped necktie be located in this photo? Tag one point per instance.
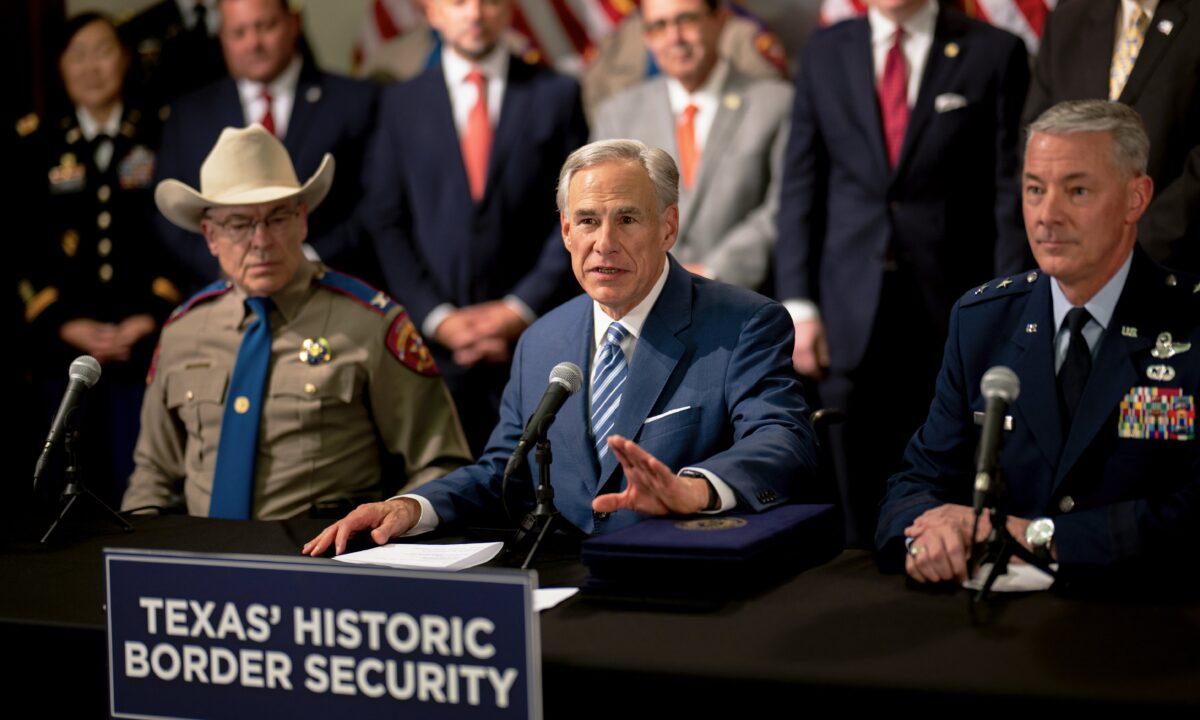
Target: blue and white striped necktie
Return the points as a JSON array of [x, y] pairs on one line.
[[607, 382]]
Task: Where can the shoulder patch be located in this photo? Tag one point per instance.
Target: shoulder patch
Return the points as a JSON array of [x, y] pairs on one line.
[[214, 290], [1001, 287], [28, 124], [357, 290], [406, 344]]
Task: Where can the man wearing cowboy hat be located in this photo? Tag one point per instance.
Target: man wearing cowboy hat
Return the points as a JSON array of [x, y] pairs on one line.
[[283, 387]]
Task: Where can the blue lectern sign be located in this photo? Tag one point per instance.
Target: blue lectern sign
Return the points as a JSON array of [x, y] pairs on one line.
[[246, 636]]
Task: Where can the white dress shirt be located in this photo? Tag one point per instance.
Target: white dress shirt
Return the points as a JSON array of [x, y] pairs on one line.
[[212, 18], [283, 96], [1100, 306], [90, 128], [706, 98]]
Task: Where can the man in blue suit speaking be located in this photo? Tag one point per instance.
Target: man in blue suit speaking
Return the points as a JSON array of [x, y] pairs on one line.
[[690, 403], [1101, 460]]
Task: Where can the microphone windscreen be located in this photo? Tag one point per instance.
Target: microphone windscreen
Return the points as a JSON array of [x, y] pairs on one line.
[[568, 375], [85, 369], [1000, 382]]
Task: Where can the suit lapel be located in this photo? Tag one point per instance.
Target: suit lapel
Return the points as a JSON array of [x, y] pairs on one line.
[[1153, 49], [720, 136], [1034, 335], [230, 109], [860, 83], [938, 70], [657, 353], [304, 108], [573, 426], [518, 96], [1114, 372], [1097, 36], [445, 151]]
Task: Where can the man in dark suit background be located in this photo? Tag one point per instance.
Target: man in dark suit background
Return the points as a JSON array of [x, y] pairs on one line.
[[313, 112], [462, 223], [1146, 54], [899, 192]]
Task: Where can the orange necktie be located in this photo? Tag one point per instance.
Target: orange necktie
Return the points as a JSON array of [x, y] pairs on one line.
[[267, 120], [477, 142], [685, 140]]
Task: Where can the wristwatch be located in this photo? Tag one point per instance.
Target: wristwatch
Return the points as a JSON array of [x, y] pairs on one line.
[[714, 500], [1040, 536]]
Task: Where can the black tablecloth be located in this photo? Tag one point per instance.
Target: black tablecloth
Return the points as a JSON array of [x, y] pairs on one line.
[[841, 633]]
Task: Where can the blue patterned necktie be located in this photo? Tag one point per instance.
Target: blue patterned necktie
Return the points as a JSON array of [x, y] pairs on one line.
[[609, 378], [233, 481]]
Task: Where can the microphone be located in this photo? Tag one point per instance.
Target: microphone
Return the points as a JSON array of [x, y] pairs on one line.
[[1000, 387], [84, 373], [565, 379]]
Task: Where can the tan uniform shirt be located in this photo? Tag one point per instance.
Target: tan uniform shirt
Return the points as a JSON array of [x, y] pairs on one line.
[[324, 426]]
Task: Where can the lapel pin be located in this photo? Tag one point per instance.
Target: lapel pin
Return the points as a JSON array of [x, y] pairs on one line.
[[979, 290], [1031, 277], [951, 50], [1003, 284], [315, 351], [1160, 373], [1128, 331], [1196, 289], [313, 94], [1031, 328], [1172, 281], [73, 135], [1165, 27], [732, 101]]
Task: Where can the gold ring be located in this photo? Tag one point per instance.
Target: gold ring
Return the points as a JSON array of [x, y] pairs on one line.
[[916, 549]]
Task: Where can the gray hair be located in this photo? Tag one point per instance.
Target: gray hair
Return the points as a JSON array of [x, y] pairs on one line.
[[657, 164], [1130, 145]]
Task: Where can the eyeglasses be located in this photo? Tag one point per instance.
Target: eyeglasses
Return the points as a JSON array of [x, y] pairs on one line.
[[686, 22], [239, 228]]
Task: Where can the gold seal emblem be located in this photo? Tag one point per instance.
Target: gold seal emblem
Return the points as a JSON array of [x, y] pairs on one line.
[[241, 404], [711, 523]]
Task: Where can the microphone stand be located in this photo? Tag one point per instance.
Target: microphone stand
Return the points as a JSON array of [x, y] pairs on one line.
[[540, 521], [76, 489], [1001, 546]]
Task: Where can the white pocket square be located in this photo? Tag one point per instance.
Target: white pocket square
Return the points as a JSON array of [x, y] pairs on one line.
[[660, 416], [949, 101]]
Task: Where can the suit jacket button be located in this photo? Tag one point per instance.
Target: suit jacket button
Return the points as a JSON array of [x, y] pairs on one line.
[[1067, 504], [599, 516]]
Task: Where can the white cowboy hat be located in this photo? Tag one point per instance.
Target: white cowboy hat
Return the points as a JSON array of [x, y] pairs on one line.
[[247, 166]]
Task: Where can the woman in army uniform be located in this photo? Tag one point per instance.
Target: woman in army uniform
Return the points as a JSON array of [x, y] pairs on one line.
[[94, 281]]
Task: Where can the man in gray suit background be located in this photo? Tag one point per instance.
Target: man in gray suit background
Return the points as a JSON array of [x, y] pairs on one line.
[[726, 130]]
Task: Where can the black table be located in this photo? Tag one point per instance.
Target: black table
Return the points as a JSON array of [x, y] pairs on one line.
[[840, 633]]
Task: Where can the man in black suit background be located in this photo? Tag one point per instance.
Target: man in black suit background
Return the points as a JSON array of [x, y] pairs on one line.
[[900, 191], [1146, 54], [272, 82]]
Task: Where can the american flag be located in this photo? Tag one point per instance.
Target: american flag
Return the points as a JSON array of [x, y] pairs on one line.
[[563, 33], [1023, 18]]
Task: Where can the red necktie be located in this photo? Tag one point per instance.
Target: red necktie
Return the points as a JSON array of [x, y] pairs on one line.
[[685, 140], [477, 142], [268, 120], [893, 99]]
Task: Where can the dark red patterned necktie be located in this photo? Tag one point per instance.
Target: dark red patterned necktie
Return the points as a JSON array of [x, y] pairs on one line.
[[893, 99]]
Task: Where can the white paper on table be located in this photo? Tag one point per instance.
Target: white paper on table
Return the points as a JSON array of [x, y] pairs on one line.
[[546, 598], [415, 556], [1019, 578]]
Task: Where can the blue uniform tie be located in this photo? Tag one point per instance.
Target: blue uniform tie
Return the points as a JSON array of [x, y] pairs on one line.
[[233, 481], [607, 382]]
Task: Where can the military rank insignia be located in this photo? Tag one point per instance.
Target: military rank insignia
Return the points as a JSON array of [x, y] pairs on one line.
[[1157, 413], [68, 175], [406, 344], [315, 351], [136, 169]]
